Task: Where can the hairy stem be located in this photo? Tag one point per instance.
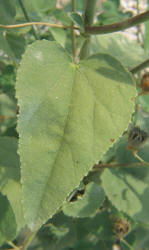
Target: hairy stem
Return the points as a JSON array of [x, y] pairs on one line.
[[74, 48], [27, 17], [140, 66], [109, 28], [88, 21]]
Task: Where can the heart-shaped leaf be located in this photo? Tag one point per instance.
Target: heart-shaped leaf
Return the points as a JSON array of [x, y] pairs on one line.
[[69, 116]]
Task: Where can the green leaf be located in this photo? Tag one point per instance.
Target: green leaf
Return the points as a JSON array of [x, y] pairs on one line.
[[125, 156], [39, 5], [4, 46], [16, 43], [7, 106], [7, 12], [77, 19], [59, 35], [12, 45], [8, 112], [7, 221], [96, 229], [7, 80], [13, 191], [9, 177], [111, 13], [127, 194], [60, 233], [100, 227], [87, 205], [9, 160], [144, 101], [61, 15], [127, 51], [142, 239], [68, 115]]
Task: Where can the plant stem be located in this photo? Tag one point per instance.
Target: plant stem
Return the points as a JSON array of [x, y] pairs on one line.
[[138, 28], [119, 165], [127, 244], [13, 245], [140, 67], [109, 28], [85, 48], [88, 21], [27, 17], [27, 240], [74, 48], [138, 157], [89, 12], [21, 25]]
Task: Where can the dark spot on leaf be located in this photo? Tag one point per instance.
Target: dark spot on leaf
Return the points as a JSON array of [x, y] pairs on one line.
[[77, 194]]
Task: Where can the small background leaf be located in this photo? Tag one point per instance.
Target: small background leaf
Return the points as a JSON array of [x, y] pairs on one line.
[[10, 176], [7, 221], [118, 46], [10, 165], [17, 43], [88, 204], [111, 13], [7, 112], [5, 48], [77, 19], [127, 194], [13, 191], [7, 12]]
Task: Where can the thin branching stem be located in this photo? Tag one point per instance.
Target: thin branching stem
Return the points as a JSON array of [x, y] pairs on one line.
[[21, 25], [119, 165], [127, 244], [130, 22], [13, 245], [27, 17], [27, 240]]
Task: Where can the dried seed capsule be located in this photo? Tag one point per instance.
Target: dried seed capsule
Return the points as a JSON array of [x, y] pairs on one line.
[[144, 84], [136, 138], [121, 228]]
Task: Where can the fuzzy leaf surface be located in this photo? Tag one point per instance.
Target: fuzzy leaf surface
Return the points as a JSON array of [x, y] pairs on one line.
[[69, 116]]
